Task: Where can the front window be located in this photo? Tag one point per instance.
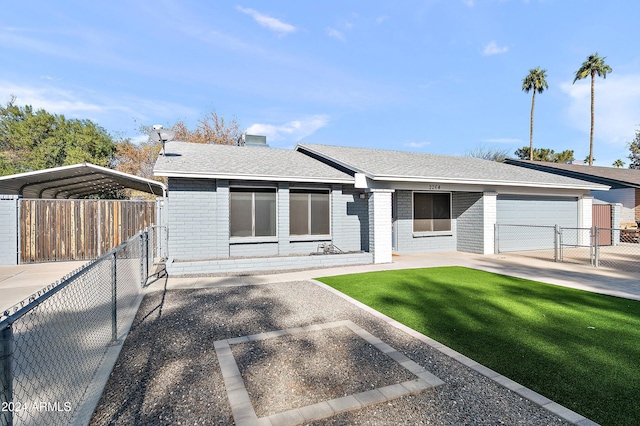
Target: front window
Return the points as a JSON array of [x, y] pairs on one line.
[[431, 212], [309, 212], [252, 212]]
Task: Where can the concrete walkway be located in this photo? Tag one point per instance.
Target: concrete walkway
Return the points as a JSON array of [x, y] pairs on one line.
[[600, 280], [18, 282]]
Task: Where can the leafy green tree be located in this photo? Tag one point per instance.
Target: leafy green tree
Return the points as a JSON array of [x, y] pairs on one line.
[[536, 82], [545, 154], [33, 140], [634, 152], [618, 163], [592, 66], [588, 159], [563, 157]]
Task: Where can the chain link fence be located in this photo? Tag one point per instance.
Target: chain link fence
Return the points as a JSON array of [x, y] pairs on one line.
[[600, 247], [527, 240], [52, 344]]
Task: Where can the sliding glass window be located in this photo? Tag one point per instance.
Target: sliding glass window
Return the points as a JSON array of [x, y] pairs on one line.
[[252, 212], [309, 212]]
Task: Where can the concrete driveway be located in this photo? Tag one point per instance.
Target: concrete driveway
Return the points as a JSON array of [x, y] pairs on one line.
[[18, 282]]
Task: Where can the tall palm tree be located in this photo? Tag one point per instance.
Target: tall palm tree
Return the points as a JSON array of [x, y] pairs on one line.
[[592, 66], [536, 81]]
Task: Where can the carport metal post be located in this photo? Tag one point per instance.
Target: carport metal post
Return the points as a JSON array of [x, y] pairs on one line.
[[6, 374]]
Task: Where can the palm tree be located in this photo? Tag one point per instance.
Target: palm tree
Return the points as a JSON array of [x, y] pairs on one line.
[[536, 81], [618, 163], [592, 66]]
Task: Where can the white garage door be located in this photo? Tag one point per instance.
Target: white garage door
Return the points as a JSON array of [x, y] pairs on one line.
[[533, 211]]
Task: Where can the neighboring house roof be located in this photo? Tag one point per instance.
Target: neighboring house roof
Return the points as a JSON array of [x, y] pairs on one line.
[[614, 177], [75, 181], [183, 159], [387, 165]]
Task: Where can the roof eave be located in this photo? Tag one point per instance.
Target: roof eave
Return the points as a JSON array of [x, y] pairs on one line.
[[276, 178], [426, 179]]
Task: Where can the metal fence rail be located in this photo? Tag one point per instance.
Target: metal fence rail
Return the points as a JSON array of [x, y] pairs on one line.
[[52, 344], [600, 247]]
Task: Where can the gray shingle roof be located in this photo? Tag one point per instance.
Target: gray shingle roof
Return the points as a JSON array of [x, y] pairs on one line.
[[237, 162], [389, 165], [608, 175]]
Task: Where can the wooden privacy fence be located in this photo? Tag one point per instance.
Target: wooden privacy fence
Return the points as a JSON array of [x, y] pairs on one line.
[[55, 230]]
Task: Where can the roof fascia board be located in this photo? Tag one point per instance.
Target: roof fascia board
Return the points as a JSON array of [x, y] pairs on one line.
[[391, 178], [573, 173], [250, 177]]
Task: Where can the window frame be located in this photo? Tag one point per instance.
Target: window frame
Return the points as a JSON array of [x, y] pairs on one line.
[[413, 213], [308, 192], [253, 190]]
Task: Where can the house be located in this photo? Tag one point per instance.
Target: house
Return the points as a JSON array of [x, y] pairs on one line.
[[624, 183], [241, 208]]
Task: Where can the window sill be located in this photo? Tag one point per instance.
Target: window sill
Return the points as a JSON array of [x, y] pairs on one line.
[[433, 234], [252, 240], [309, 238]]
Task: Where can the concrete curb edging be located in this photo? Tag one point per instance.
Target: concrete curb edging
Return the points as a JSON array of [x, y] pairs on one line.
[[536, 398], [243, 410]]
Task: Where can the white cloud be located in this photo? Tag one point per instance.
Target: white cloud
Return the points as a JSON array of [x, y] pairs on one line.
[[469, 3], [293, 131], [332, 32], [267, 21], [617, 107], [381, 19], [109, 112], [416, 144], [493, 49]]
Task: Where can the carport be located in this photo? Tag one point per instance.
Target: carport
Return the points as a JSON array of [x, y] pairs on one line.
[[45, 215]]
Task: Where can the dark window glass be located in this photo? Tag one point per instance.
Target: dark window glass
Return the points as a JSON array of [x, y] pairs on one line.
[[431, 212]]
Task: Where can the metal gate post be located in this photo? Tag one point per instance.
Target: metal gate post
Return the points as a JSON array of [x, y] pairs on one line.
[[496, 239], [142, 276], [597, 249], [6, 375], [114, 299], [556, 244]]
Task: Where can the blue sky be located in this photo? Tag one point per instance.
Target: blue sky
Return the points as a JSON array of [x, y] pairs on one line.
[[436, 76]]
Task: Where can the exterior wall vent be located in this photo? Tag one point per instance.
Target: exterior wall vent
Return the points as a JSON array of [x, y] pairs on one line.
[[252, 141]]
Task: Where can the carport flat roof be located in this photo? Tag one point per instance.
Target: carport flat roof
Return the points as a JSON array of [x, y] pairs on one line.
[[75, 181]]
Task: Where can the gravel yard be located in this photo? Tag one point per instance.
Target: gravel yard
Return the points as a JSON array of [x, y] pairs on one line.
[[168, 373]]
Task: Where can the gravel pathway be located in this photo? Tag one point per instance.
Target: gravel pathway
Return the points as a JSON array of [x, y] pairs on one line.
[[168, 373]]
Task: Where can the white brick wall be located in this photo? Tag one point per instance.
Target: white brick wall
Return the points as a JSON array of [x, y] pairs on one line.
[[8, 229], [380, 243], [490, 216]]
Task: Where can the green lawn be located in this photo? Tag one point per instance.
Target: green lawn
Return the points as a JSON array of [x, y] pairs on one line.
[[577, 348]]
